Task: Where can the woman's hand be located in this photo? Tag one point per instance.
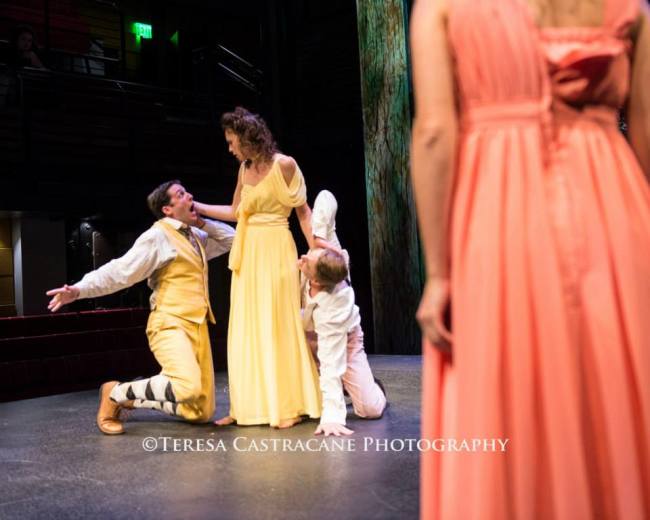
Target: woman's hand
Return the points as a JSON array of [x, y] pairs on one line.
[[430, 315]]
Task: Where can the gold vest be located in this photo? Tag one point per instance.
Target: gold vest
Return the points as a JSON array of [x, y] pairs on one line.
[[183, 283]]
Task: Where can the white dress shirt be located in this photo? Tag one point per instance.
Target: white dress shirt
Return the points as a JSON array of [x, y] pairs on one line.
[[151, 251], [331, 315]]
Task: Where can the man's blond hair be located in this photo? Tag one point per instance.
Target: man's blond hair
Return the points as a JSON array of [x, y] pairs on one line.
[[331, 268]]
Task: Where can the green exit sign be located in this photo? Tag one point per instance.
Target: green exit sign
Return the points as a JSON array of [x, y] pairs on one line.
[[142, 30]]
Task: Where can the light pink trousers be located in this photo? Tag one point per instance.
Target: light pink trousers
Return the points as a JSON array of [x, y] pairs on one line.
[[367, 398]]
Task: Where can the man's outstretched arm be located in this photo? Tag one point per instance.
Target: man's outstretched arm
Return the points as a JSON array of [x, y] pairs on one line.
[[149, 252]]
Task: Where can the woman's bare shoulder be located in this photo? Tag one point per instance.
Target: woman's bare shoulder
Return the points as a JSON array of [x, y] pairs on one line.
[[287, 164]]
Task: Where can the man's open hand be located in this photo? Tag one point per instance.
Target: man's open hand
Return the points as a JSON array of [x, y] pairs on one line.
[[335, 429], [62, 296]]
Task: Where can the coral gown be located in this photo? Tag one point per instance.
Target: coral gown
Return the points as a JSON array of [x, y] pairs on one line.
[[550, 277], [271, 373]]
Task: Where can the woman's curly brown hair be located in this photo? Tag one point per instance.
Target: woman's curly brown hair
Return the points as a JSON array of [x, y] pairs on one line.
[[254, 136]]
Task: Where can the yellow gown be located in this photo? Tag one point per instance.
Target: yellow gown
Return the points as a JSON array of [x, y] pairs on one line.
[[272, 376]]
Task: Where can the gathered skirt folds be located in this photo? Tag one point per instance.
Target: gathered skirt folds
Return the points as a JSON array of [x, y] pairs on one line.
[[550, 304]]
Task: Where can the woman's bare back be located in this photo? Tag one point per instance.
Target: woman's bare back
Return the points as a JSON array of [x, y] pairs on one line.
[[567, 13]]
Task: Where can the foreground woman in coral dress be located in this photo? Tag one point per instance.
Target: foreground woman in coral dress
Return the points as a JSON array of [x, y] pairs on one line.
[[272, 376], [535, 218]]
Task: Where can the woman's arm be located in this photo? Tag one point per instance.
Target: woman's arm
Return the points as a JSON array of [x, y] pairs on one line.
[[433, 143], [433, 150], [226, 213], [304, 217], [638, 112]]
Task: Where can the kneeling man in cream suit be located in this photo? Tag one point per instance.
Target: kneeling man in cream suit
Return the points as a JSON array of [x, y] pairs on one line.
[[173, 255]]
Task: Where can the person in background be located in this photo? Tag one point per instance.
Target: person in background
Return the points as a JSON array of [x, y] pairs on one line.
[[24, 52], [534, 214]]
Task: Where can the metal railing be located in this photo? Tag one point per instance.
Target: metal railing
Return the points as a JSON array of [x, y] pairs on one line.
[[232, 65]]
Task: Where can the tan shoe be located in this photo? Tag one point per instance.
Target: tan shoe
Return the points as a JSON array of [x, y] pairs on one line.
[[108, 413]]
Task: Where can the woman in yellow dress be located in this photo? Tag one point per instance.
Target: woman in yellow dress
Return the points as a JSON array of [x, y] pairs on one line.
[[272, 376]]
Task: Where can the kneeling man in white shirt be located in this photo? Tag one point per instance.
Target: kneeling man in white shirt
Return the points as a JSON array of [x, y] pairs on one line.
[[333, 326]]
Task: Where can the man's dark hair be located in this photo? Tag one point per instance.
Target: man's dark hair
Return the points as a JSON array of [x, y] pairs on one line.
[[159, 198]]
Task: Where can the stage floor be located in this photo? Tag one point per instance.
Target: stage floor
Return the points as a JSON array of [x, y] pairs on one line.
[[56, 464]]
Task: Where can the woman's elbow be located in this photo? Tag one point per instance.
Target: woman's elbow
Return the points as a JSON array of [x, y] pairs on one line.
[[303, 212], [431, 133]]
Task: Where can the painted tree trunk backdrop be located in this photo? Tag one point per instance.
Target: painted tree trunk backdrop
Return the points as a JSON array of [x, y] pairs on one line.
[[394, 253]]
